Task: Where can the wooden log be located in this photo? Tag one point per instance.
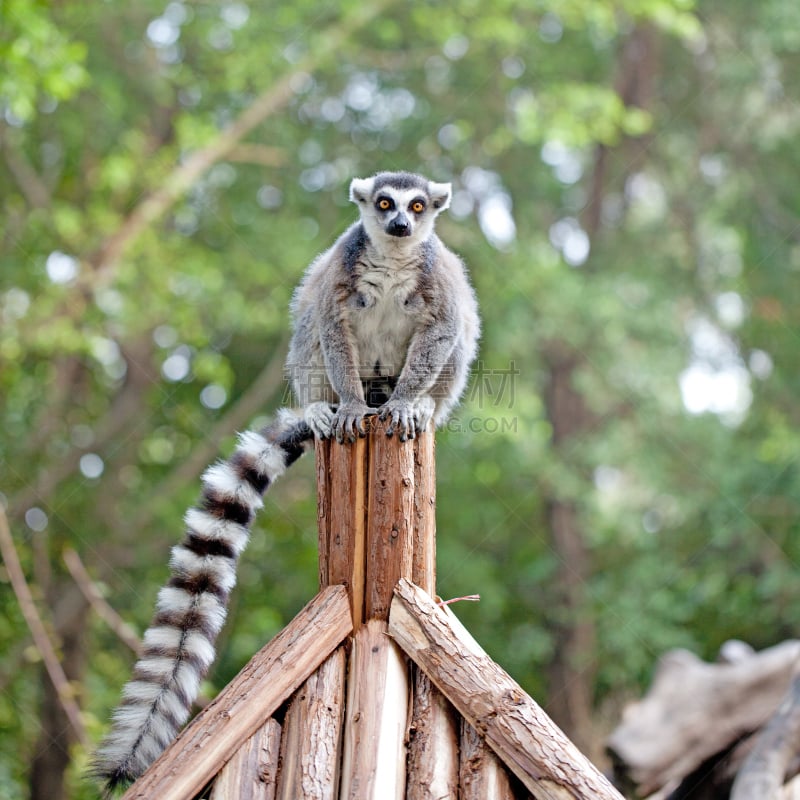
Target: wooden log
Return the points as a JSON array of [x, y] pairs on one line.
[[376, 503], [764, 770], [374, 760], [695, 710], [390, 516], [322, 449], [432, 744], [342, 516], [514, 726], [424, 557], [310, 749], [481, 776], [254, 695], [252, 772]]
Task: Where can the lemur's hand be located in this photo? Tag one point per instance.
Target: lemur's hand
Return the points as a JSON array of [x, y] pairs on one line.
[[348, 421]]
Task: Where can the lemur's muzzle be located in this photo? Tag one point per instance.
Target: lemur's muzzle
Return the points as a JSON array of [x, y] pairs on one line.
[[399, 226]]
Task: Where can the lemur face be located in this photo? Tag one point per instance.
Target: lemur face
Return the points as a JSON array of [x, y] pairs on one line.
[[399, 206]]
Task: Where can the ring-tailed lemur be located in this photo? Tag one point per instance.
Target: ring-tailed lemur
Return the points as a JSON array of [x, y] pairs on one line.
[[386, 317], [385, 321]]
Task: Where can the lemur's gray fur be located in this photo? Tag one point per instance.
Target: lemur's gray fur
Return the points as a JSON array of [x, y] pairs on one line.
[[386, 317]]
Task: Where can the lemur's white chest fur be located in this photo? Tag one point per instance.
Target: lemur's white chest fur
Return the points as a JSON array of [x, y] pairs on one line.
[[383, 317]]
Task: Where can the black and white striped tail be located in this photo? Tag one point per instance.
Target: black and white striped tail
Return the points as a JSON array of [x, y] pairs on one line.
[[178, 647]]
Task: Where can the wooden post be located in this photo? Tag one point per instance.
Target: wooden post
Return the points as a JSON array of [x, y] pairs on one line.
[[481, 775], [376, 516], [432, 744], [310, 747], [252, 772], [374, 754]]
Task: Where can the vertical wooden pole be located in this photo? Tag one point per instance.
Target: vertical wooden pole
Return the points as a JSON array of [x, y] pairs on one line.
[[376, 721], [376, 503], [376, 513], [481, 774], [310, 748], [432, 744], [252, 772], [424, 559], [390, 520]]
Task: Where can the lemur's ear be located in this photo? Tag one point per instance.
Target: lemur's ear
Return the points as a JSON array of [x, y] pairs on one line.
[[440, 195], [361, 189]]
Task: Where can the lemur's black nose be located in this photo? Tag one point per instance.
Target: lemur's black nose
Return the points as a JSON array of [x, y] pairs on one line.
[[399, 226]]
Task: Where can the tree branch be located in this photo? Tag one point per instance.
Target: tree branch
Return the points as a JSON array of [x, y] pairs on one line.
[[30, 184], [186, 174], [258, 154], [125, 407], [96, 600], [37, 629]]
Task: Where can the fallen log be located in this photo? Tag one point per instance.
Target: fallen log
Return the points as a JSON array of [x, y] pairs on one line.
[[694, 726]]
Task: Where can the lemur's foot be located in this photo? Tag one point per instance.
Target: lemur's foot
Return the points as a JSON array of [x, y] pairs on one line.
[[407, 418], [319, 417]]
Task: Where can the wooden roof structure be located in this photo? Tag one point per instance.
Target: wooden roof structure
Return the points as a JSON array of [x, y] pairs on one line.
[[374, 691]]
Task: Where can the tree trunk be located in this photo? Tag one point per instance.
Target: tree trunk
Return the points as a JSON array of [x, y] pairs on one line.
[[571, 671], [56, 734]]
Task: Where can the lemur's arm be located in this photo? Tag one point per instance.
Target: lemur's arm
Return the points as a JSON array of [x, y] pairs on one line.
[[410, 407], [342, 365]]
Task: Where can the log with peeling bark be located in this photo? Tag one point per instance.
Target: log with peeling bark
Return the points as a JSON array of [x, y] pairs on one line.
[[252, 772], [390, 520], [311, 745], [376, 516], [342, 518], [513, 725], [374, 756], [481, 776], [692, 726], [432, 744], [764, 770], [255, 694], [424, 559]]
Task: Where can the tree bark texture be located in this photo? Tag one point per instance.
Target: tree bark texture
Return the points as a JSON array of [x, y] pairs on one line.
[[374, 762], [311, 746], [513, 725], [432, 744], [376, 516], [252, 772]]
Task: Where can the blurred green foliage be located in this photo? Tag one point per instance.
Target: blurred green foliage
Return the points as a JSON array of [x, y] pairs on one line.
[[137, 345]]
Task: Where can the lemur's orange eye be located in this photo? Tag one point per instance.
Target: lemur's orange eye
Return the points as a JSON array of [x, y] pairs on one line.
[[418, 206], [384, 204]]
